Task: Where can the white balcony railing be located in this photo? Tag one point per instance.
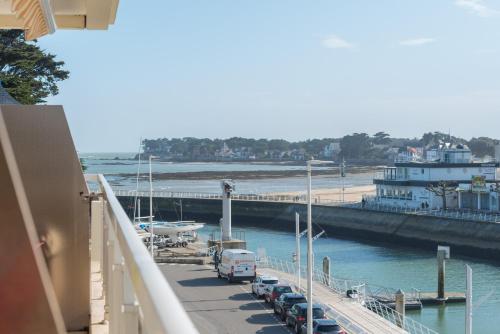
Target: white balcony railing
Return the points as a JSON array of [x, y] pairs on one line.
[[138, 298]]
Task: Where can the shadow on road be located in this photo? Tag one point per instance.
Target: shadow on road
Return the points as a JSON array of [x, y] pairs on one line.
[[205, 269], [255, 306], [263, 319], [272, 330], [241, 297], [202, 281]]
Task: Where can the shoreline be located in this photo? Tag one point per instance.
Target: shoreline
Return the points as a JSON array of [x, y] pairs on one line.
[[249, 175]]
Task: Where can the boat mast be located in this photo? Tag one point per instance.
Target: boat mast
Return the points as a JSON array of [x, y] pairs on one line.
[[151, 208], [136, 207]]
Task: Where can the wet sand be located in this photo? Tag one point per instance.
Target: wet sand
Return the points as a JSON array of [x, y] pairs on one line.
[[351, 194], [249, 175]]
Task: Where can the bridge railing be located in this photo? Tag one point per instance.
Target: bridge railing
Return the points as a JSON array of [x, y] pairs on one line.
[[361, 295], [138, 298], [237, 197], [462, 214]]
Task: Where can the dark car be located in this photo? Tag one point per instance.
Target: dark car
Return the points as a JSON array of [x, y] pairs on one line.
[[275, 291], [286, 301], [324, 326], [297, 315]]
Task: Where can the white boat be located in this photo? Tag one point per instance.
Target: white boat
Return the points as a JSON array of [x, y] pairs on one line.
[[151, 229], [170, 229]]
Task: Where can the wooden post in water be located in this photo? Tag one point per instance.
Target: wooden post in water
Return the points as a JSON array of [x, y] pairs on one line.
[[443, 253], [468, 300], [326, 270], [400, 308]]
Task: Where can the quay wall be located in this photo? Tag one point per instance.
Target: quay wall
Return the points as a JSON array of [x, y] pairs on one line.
[[473, 238]]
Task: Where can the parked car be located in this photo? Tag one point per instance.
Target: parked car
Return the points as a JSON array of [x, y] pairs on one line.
[[237, 265], [297, 315], [286, 301], [261, 283], [324, 326], [274, 292]]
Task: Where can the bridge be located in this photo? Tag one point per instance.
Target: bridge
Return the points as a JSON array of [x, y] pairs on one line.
[[235, 197]]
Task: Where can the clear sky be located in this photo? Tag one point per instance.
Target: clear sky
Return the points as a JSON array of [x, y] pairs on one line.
[[282, 69]]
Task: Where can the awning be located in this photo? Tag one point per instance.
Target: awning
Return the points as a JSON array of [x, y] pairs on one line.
[[42, 17], [36, 17]]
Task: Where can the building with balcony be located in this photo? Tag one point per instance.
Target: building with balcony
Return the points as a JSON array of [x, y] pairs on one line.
[[410, 183]]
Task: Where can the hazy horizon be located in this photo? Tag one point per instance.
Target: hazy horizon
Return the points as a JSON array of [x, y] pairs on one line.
[[282, 69]]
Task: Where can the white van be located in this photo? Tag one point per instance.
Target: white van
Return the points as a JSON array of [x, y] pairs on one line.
[[237, 265]]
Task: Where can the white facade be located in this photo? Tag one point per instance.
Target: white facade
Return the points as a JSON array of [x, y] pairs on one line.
[[407, 183]]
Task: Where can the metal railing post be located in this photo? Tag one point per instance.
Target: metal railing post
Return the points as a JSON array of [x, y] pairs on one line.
[[105, 260], [96, 231], [130, 308]]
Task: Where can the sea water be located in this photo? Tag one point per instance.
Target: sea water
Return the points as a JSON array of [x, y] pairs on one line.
[[395, 267]]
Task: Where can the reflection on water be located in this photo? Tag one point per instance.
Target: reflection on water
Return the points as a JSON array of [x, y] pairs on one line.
[[397, 267]]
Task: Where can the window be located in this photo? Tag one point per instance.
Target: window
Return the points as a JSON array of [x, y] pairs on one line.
[[422, 171]]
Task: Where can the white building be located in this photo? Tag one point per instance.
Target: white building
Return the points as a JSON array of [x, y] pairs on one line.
[[407, 183], [331, 150]]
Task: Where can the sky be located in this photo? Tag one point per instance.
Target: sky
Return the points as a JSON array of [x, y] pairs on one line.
[[282, 69]]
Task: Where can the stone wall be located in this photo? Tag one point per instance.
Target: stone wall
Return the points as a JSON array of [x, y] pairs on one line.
[[467, 237]]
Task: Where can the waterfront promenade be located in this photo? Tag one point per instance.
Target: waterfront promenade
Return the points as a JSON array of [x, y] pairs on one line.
[[216, 306]]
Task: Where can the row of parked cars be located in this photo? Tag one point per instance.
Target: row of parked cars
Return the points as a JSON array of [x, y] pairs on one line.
[[291, 307]]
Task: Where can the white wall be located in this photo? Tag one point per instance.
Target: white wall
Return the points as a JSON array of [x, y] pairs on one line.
[[446, 174]]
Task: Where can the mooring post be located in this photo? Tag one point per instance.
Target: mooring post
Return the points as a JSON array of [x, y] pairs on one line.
[[443, 253], [326, 270], [468, 300], [400, 308]]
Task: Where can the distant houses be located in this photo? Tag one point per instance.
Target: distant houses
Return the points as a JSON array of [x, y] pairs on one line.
[[358, 148]]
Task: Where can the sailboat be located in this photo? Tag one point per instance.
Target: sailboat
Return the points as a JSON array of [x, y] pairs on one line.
[[174, 230]]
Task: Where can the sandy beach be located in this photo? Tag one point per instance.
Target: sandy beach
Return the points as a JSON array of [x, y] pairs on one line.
[[351, 194]]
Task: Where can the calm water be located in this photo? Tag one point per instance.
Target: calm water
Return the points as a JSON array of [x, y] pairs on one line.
[[105, 163], [397, 267], [381, 264]]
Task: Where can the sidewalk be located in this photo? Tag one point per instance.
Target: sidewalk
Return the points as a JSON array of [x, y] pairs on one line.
[[351, 315]]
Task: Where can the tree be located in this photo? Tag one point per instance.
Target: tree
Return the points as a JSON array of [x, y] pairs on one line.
[[482, 146], [442, 189], [28, 73], [381, 138], [355, 146]]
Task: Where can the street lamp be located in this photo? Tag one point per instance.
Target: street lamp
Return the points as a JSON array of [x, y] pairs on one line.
[[151, 231], [309, 244]]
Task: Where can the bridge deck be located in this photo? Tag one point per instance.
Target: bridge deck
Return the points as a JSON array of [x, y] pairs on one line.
[[350, 314]]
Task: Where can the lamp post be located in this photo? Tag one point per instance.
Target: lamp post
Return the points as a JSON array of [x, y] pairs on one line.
[[309, 245], [151, 231]]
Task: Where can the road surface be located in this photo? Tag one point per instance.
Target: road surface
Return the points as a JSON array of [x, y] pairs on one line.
[[215, 306]]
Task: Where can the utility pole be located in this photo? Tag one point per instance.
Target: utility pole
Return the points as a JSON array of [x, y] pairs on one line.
[[342, 175], [309, 250], [297, 247], [310, 264], [151, 231]]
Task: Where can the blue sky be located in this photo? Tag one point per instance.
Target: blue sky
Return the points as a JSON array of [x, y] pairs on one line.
[[282, 69]]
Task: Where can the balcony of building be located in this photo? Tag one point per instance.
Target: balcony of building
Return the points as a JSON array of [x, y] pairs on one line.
[[72, 261]]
